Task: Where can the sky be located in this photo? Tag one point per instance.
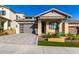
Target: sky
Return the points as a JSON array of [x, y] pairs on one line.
[[32, 10]]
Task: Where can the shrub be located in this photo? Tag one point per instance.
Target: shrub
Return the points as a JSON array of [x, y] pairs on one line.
[[69, 34], [53, 35], [77, 37], [59, 34], [46, 39], [73, 37], [48, 35]]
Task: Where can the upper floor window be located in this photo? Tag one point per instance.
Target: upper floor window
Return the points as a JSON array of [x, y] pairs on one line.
[[17, 17], [2, 12]]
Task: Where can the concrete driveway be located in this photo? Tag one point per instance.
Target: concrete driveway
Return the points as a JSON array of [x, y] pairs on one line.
[[26, 44], [24, 38]]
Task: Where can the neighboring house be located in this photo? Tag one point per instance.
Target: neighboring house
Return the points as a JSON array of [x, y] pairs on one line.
[[51, 21], [7, 13]]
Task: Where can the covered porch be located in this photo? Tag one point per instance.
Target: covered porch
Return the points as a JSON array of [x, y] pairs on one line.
[[52, 25], [52, 21], [4, 24]]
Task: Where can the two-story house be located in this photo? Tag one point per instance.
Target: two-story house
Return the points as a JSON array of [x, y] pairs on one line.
[[8, 16]]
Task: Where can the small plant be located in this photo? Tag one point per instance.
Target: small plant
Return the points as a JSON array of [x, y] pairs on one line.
[[59, 34], [49, 35], [69, 34], [76, 37], [46, 39], [73, 37]]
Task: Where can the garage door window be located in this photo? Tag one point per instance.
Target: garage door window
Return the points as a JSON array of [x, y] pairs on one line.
[[21, 28]]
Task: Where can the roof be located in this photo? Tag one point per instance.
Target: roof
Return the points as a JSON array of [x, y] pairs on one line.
[[11, 9], [25, 20], [54, 9], [5, 18], [73, 21]]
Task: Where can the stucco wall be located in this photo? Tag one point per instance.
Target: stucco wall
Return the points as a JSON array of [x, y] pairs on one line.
[[20, 15], [66, 28], [9, 14], [5, 25], [12, 15], [17, 28]]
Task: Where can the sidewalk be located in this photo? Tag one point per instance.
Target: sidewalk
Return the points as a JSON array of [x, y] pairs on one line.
[[33, 49]]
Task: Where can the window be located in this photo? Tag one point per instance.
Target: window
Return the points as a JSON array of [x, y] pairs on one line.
[[28, 17], [2, 13], [17, 17], [53, 25]]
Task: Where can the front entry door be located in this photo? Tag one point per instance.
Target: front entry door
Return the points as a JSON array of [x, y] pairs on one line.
[[43, 27]]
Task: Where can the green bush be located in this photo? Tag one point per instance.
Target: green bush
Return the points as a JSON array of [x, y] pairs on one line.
[[46, 39], [48, 35], [73, 37], [56, 35], [69, 34], [77, 37], [59, 34]]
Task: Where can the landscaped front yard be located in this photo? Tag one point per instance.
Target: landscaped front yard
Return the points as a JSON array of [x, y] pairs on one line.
[[61, 44], [59, 39]]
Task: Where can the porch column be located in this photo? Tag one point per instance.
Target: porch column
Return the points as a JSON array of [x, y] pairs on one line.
[[60, 27], [39, 27], [47, 27], [5, 25], [66, 28]]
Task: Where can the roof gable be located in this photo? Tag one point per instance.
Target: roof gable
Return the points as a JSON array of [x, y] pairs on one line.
[[52, 14], [58, 12]]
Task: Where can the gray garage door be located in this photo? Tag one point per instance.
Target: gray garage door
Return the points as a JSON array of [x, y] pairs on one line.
[[26, 28]]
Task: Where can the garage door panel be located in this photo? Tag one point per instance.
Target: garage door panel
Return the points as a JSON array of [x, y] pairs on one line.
[[27, 28]]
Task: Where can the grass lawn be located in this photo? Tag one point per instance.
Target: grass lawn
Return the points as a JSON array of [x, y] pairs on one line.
[[61, 44]]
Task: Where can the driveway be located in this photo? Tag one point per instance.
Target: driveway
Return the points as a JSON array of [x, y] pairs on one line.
[[24, 38], [26, 44]]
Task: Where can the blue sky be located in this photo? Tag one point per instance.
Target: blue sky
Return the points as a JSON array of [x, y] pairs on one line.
[[32, 10]]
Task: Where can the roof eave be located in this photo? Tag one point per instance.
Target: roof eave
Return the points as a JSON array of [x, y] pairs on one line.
[[51, 10]]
